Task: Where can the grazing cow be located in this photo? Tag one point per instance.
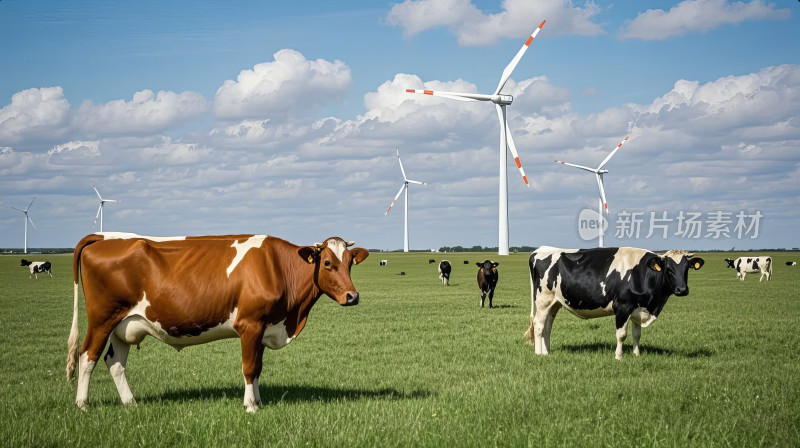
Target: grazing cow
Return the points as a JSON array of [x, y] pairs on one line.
[[487, 280], [444, 272], [628, 283], [466, 261], [383, 262], [431, 261], [791, 263], [743, 265], [192, 290], [37, 267]]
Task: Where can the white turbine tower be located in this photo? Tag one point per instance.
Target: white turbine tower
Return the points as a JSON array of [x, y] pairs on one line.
[[598, 173], [100, 210], [406, 181], [506, 141], [27, 218]]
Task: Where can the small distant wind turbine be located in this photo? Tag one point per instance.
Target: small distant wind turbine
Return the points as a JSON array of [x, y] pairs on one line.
[[100, 210], [406, 181], [598, 172], [506, 141], [27, 218]]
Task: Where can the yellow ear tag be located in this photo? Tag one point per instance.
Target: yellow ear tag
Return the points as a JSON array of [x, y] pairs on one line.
[[658, 267], [310, 258], [697, 265]]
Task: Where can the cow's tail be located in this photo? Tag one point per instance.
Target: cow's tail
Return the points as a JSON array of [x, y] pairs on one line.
[[72, 344], [534, 286]]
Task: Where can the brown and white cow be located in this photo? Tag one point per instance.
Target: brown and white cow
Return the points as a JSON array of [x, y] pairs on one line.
[[192, 290]]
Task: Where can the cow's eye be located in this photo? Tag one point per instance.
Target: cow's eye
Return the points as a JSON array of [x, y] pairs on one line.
[[327, 263]]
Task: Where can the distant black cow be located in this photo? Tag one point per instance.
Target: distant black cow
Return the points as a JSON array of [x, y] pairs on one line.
[[37, 267], [431, 261], [743, 265], [444, 272], [466, 261], [628, 283], [487, 280]]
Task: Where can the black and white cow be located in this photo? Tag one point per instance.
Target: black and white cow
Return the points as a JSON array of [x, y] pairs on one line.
[[444, 272], [384, 262], [743, 265], [791, 263], [628, 283], [487, 280], [37, 267]]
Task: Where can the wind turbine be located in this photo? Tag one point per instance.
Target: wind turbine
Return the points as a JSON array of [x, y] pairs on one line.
[[506, 141], [100, 210], [406, 181], [598, 173], [27, 218]]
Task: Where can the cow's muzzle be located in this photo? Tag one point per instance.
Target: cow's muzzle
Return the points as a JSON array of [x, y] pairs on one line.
[[680, 292], [352, 299]]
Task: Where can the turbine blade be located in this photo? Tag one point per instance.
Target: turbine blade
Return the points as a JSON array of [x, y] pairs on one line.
[[98, 193], [23, 211], [401, 165], [577, 166], [513, 148], [513, 64], [416, 182], [34, 225], [395, 200], [453, 95], [29, 205], [98, 213], [612, 153], [602, 192]]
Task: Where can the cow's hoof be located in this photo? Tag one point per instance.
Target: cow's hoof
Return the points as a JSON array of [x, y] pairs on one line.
[[251, 408], [130, 402], [82, 405]]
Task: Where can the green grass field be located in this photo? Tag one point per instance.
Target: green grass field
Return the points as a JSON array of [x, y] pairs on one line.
[[420, 364]]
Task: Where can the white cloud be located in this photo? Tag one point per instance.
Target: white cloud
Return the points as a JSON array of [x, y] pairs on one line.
[[34, 114], [146, 113], [287, 87], [697, 16], [518, 18]]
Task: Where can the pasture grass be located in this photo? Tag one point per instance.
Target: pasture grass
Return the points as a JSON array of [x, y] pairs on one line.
[[420, 364]]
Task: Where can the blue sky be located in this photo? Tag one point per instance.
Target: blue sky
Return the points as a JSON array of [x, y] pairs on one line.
[[282, 118]]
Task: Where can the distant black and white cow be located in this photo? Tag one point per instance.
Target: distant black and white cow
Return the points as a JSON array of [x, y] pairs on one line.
[[791, 263], [628, 283], [37, 267], [487, 280], [444, 272], [384, 262], [743, 265]]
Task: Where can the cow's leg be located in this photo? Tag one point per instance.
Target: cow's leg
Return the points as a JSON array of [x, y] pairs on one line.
[[252, 358], [548, 325], [483, 297], [636, 333], [116, 358], [92, 348], [491, 295], [622, 333]]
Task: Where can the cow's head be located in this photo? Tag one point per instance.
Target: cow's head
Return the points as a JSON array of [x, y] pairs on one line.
[[674, 266], [489, 268], [730, 263], [25, 262], [332, 261]]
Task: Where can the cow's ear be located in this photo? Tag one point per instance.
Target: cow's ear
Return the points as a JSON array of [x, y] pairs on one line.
[[307, 253], [696, 263], [655, 264], [494, 265], [480, 265], [359, 254]]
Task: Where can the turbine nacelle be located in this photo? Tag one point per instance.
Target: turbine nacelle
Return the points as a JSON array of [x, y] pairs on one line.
[[502, 100]]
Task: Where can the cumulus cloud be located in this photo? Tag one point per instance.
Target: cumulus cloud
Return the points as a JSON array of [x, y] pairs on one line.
[[473, 27], [281, 89], [697, 16], [34, 114], [147, 113]]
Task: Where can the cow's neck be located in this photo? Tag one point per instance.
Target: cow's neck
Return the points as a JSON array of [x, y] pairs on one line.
[[302, 292]]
